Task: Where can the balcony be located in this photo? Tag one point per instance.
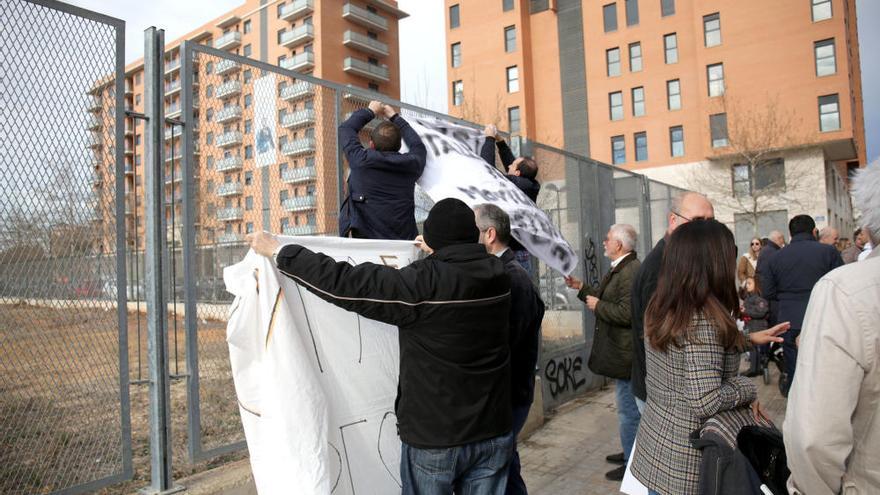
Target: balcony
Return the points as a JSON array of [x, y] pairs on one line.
[[299, 118], [365, 44], [128, 89], [365, 69], [364, 17], [299, 147], [228, 139], [129, 169], [229, 189], [228, 41], [298, 36], [296, 9], [296, 175], [229, 214], [172, 87], [176, 200], [172, 66], [228, 114], [300, 61], [224, 67], [229, 238], [177, 177], [300, 230], [129, 150], [95, 103], [300, 203], [129, 130], [229, 164], [96, 141], [297, 90], [174, 132], [94, 123], [228, 89]]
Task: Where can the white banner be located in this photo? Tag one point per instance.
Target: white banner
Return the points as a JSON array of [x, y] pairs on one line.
[[265, 133], [316, 384], [455, 170]]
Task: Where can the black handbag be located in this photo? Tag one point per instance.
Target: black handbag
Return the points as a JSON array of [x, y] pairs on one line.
[[765, 450]]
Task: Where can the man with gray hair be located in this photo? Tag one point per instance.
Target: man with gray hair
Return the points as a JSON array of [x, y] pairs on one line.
[[829, 235], [832, 429], [612, 353], [526, 313]]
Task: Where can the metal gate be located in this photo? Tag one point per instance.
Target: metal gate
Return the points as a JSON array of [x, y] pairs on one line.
[[64, 399]]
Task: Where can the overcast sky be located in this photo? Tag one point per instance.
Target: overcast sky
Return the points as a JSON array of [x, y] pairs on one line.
[[422, 45]]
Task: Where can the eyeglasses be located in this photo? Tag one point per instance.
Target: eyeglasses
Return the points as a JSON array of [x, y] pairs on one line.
[[756, 244], [691, 219]]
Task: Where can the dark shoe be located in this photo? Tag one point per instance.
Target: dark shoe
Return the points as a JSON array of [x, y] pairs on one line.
[[616, 474], [615, 458]]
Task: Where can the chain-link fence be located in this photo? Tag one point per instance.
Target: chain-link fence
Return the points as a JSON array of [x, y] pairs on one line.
[[64, 403]]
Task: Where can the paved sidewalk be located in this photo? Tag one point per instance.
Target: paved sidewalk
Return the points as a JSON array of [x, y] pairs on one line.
[[567, 455]]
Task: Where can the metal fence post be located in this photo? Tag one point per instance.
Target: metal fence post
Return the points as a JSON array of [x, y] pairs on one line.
[[157, 343], [340, 168]]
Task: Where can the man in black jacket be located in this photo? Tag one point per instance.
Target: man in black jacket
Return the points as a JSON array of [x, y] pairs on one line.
[[380, 202], [791, 274], [521, 171], [526, 313], [684, 208], [772, 244], [453, 402]]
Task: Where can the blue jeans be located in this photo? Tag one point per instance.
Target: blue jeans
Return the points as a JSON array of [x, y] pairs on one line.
[[627, 415], [515, 483], [478, 468], [641, 405], [790, 353]]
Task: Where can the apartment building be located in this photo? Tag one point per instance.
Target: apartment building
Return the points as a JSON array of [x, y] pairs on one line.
[[351, 42], [678, 90]]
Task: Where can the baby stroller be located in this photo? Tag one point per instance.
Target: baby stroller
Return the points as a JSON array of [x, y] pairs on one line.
[[773, 354]]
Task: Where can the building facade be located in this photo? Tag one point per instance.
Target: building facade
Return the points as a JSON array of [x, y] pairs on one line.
[[351, 42], [757, 104]]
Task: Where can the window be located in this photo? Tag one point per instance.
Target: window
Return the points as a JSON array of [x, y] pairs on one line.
[[673, 94], [246, 51], [279, 35], [248, 151], [615, 105], [667, 7], [641, 139], [612, 59], [247, 76], [248, 178], [512, 79], [510, 39], [670, 41], [635, 57], [209, 90], [632, 12], [825, 60], [456, 55], [513, 119], [638, 101], [829, 113], [282, 167], [676, 140], [715, 76], [770, 175], [249, 227], [821, 10], [609, 17], [506, 5], [285, 222], [209, 138], [282, 58], [373, 86], [247, 27], [283, 195], [454, 20], [618, 150], [137, 78], [209, 67], [712, 29], [457, 93], [137, 99], [718, 129], [742, 183], [248, 100], [279, 9], [247, 126]]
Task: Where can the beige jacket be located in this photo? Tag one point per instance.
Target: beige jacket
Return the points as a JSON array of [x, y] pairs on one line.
[[832, 425]]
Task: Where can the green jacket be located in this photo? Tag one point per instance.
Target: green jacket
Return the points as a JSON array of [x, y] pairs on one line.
[[611, 355]]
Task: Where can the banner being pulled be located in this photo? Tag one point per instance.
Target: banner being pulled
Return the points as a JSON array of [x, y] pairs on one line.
[[315, 383], [455, 170]]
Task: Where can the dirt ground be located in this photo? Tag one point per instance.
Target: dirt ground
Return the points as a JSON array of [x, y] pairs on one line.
[[59, 397]]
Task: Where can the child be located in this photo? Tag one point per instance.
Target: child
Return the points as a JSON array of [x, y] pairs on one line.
[[754, 315]]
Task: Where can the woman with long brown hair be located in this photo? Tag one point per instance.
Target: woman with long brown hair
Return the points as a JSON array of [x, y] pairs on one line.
[[692, 357]]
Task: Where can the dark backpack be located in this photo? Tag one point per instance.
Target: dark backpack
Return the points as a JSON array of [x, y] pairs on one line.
[[724, 470], [765, 451]]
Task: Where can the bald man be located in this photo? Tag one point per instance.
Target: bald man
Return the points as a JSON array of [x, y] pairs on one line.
[[829, 235], [685, 207]]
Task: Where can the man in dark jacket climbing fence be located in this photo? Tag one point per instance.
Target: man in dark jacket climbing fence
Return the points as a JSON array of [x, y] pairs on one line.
[[380, 202], [612, 352], [451, 308]]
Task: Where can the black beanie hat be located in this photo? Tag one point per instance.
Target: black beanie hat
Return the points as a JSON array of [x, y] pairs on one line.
[[450, 222]]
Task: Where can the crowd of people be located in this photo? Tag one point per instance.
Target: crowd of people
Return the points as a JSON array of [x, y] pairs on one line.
[[670, 331]]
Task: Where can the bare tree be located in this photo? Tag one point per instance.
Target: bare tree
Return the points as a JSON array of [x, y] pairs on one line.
[[749, 176]]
